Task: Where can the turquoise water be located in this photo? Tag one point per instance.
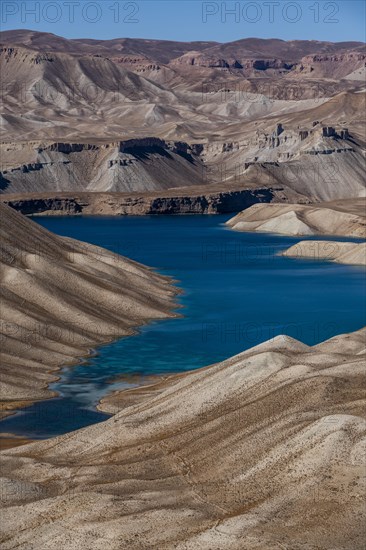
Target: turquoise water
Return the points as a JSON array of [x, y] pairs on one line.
[[237, 293]]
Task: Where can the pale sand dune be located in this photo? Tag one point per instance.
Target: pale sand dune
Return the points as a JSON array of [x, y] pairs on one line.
[[343, 253], [262, 451], [61, 297], [299, 219]]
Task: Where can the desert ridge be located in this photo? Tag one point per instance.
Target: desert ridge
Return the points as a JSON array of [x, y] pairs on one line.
[[224, 456], [59, 299]]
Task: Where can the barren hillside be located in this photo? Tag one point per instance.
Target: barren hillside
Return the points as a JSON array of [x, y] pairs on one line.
[[60, 298], [224, 457]]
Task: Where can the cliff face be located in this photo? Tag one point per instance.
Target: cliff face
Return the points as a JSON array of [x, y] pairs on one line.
[[331, 65], [317, 161], [24, 55], [311, 162], [131, 145], [197, 59], [290, 143], [131, 165], [288, 64], [136, 63], [136, 204]]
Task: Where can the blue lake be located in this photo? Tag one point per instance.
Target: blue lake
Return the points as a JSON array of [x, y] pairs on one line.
[[237, 292]]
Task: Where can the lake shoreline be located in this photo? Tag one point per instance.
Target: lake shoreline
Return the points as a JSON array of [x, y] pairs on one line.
[[61, 299], [216, 252]]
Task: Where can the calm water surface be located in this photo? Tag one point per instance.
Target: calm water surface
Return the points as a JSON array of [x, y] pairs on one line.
[[237, 293]]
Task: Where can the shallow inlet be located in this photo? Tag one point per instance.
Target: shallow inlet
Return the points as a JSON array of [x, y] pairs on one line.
[[237, 293]]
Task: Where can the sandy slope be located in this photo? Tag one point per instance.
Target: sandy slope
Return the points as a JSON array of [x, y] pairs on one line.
[[61, 297], [298, 219], [340, 252], [264, 450]]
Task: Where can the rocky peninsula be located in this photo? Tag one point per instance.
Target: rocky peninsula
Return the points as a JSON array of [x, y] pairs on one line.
[[344, 218]]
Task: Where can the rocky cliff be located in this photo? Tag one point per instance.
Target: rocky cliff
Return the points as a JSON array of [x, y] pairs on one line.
[[311, 161], [202, 202], [131, 165]]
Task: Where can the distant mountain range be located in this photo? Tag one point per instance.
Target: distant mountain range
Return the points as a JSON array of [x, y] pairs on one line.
[[166, 51], [234, 113]]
